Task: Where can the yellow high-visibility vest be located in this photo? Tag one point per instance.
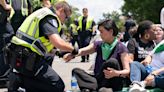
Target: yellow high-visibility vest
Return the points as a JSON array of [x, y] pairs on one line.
[[28, 33], [24, 8], [74, 29], [88, 23]]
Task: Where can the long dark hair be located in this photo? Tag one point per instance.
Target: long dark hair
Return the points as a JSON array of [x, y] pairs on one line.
[[143, 26]]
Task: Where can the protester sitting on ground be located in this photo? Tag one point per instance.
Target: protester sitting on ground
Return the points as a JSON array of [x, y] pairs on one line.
[[132, 31], [160, 33], [129, 23], [112, 60], [153, 75], [120, 36], [142, 44]]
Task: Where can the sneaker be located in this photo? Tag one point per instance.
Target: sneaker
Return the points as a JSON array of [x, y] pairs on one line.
[[103, 89], [137, 87], [85, 90], [21, 89]]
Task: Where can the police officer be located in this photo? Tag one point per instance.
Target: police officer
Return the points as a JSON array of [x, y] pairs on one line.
[[21, 9], [36, 37], [73, 32], [6, 31], [86, 28]]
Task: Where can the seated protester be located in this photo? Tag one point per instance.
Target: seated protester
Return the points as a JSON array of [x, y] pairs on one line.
[[160, 33], [112, 61], [142, 43], [129, 23], [142, 77]]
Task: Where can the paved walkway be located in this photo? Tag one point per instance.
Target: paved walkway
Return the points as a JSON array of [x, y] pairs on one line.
[[65, 69]]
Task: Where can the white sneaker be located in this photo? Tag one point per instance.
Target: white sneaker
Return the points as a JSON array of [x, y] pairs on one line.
[[137, 87], [103, 89]]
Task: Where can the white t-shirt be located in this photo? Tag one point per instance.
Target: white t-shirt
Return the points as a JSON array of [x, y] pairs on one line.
[[157, 61], [157, 58]]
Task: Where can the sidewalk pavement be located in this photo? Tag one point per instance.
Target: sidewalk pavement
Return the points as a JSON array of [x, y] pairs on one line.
[[65, 69]]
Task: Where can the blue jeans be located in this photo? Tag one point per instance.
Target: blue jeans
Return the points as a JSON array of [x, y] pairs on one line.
[[137, 71], [159, 81]]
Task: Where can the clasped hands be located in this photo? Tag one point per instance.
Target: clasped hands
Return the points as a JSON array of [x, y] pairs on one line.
[[110, 73]]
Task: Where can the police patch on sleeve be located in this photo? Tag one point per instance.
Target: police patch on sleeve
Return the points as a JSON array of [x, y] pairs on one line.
[[54, 23]]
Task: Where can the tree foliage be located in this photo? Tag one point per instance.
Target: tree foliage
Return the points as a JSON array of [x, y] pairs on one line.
[[73, 16], [114, 16], [143, 9]]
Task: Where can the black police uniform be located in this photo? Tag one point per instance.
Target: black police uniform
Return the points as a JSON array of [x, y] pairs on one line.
[[6, 32], [84, 37], [43, 78], [18, 18]]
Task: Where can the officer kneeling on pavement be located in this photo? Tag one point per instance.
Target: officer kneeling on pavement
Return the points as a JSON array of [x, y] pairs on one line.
[[36, 37]]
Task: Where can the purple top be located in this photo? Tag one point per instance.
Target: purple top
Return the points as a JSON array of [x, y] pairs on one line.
[[116, 53]]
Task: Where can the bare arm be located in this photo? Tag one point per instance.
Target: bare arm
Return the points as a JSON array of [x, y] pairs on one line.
[[157, 72], [59, 43], [86, 50], [125, 59], [149, 80], [131, 56], [83, 51], [94, 29], [111, 72], [147, 60], [5, 5]]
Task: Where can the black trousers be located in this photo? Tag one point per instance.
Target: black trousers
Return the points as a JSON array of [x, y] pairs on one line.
[[6, 32], [46, 81], [74, 39], [84, 40], [96, 82], [41, 79]]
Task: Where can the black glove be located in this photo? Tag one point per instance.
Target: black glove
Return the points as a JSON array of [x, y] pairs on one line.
[[75, 51], [60, 53]]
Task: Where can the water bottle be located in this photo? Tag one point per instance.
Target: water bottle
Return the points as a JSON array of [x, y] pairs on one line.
[[74, 84], [148, 68]]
